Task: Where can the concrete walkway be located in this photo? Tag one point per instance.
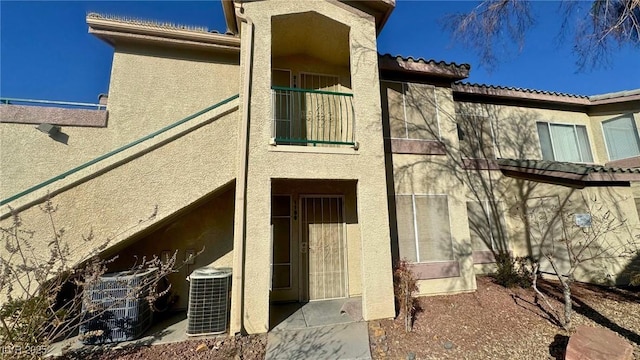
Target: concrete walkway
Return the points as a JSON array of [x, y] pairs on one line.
[[319, 330]]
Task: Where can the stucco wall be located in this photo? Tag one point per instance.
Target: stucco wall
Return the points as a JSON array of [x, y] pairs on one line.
[[515, 136], [365, 165], [149, 89], [207, 226], [148, 187]]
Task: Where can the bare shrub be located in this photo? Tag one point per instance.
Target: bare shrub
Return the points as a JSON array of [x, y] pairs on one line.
[[405, 288], [42, 288]]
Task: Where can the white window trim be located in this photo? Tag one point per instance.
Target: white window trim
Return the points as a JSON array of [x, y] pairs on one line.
[[575, 132], [604, 136], [290, 263], [415, 227], [404, 109]]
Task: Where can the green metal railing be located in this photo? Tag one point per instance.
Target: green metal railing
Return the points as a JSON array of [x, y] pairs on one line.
[[312, 117], [116, 151], [15, 101]]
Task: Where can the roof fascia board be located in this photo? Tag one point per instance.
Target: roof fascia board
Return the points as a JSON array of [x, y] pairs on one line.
[[109, 30], [111, 37], [452, 72]]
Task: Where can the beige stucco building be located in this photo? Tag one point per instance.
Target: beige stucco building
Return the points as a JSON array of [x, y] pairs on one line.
[[291, 151]]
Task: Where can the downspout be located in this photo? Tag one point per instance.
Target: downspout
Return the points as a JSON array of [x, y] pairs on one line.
[[237, 292]]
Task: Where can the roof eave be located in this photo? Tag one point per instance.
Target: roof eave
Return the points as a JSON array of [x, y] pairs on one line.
[[114, 31], [519, 95], [451, 72]]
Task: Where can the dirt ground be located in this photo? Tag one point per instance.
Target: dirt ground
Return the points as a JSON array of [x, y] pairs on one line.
[[223, 348], [491, 323], [499, 323]]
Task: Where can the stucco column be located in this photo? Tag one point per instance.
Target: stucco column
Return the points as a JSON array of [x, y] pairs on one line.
[[377, 278], [257, 261]]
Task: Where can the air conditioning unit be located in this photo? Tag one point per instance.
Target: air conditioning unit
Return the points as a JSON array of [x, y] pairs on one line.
[[209, 301], [115, 308]]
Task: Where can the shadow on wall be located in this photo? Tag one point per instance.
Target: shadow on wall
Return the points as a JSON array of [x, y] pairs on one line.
[[206, 226], [508, 212]]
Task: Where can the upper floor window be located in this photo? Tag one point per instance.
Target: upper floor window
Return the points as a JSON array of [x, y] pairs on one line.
[[564, 142], [476, 137], [412, 110], [424, 230], [621, 137]]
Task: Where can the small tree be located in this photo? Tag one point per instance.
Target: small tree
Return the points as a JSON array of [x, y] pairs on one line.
[[597, 27], [589, 237], [41, 288], [405, 288]]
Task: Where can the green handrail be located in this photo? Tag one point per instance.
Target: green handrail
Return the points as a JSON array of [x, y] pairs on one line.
[[116, 151], [311, 91], [8, 101]]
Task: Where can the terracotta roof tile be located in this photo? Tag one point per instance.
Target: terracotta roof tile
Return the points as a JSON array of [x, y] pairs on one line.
[[451, 71], [567, 167], [518, 89]]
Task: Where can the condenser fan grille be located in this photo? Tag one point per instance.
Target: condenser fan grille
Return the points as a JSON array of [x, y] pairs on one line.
[[208, 301]]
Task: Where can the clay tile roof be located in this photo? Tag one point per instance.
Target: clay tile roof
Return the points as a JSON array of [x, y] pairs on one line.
[[150, 23], [420, 65], [568, 170], [462, 84], [568, 167]]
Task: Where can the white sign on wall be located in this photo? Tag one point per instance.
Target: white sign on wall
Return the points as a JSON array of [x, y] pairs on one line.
[[583, 220]]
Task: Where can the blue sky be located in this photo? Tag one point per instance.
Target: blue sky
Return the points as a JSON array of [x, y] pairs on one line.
[[46, 52]]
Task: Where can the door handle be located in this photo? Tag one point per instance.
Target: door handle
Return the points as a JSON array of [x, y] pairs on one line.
[[303, 247]]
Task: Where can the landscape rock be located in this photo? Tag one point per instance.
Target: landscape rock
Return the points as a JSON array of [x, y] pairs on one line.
[[591, 343]]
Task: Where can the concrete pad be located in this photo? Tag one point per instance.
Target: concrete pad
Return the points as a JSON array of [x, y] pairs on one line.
[[325, 312], [168, 330], [341, 341], [289, 317]]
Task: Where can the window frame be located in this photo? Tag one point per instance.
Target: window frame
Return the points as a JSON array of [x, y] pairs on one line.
[[416, 238], [404, 111], [575, 132], [635, 128]]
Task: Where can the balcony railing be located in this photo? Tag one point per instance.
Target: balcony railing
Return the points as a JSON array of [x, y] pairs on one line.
[[312, 117]]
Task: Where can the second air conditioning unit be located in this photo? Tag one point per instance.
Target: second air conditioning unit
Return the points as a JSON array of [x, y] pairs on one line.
[[209, 300]]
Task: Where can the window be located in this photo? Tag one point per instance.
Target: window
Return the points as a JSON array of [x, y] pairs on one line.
[[412, 110], [424, 232], [486, 227], [621, 137], [476, 137], [281, 242], [564, 142]]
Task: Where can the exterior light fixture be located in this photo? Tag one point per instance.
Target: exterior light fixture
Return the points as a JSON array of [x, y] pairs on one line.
[[49, 129]]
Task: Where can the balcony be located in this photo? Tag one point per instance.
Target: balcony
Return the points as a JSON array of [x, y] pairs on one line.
[[307, 117]]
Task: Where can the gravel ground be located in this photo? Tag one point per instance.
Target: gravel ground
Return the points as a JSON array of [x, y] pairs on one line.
[[499, 323]]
